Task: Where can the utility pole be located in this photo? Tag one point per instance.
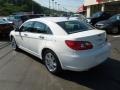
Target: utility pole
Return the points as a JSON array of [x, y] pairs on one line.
[[58, 9], [56, 5], [49, 7], [53, 5]]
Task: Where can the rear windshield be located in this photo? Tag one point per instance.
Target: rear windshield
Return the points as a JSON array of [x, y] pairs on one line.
[[74, 26]]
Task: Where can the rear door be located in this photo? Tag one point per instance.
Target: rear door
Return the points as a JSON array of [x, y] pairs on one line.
[[38, 39]]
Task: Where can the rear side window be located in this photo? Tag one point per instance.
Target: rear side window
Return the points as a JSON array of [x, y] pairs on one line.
[[42, 28], [74, 26]]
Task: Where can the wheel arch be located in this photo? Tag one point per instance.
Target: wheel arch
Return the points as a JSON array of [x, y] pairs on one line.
[[43, 51], [11, 36]]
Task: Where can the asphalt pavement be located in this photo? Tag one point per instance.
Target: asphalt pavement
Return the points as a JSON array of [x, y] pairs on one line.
[[22, 71]]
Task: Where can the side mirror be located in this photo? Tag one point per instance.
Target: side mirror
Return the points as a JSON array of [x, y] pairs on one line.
[[17, 29]]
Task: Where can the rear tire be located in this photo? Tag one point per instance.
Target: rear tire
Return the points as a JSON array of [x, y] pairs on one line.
[[51, 62]]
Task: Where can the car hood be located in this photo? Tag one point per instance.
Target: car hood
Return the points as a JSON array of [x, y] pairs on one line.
[[5, 23], [103, 22]]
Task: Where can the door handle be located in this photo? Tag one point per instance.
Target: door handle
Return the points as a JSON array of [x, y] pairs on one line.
[[41, 37], [25, 35]]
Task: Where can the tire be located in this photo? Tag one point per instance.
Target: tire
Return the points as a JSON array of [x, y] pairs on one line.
[[51, 62], [14, 44], [115, 30]]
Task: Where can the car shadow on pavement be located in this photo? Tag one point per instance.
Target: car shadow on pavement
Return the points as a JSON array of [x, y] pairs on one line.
[[103, 77], [31, 56]]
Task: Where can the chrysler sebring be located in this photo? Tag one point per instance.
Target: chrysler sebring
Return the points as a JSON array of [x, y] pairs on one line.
[[61, 43]]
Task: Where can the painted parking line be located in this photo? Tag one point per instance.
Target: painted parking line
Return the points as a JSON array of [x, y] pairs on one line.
[[116, 36]]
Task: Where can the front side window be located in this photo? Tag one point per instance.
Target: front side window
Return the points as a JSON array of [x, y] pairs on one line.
[[41, 28], [115, 17], [27, 27], [74, 26]]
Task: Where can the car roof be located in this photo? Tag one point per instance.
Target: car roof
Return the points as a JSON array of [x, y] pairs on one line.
[[51, 19]]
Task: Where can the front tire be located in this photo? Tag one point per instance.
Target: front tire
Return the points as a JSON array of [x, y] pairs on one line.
[[115, 30], [14, 44], [51, 62]]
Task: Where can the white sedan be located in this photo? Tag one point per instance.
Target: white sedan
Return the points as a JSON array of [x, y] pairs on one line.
[[62, 44]]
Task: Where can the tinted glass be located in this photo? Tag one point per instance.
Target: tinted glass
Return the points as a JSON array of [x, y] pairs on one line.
[[98, 14], [17, 17], [39, 27], [42, 28], [115, 17], [74, 26], [2, 21], [47, 29], [28, 26]]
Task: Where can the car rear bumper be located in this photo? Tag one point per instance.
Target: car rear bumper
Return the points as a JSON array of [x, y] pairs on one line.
[[84, 62]]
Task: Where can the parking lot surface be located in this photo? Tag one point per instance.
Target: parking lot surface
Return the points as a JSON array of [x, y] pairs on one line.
[[22, 71]]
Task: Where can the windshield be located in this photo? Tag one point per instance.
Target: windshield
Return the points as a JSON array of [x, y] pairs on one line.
[[74, 26], [75, 15], [2, 21], [98, 14], [79, 16]]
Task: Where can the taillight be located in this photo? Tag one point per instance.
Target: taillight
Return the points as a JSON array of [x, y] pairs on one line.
[[79, 45]]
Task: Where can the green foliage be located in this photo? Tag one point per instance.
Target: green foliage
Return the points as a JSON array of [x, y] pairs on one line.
[[8, 7]]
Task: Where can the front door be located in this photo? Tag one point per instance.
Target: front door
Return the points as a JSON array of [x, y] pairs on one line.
[[24, 34]]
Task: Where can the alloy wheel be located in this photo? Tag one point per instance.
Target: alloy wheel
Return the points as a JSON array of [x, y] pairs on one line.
[[50, 62], [13, 44]]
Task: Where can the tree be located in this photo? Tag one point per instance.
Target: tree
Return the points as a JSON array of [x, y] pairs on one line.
[[8, 7]]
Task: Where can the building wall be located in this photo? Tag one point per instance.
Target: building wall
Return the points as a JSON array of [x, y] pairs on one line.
[[90, 2], [112, 6], [93, 2]]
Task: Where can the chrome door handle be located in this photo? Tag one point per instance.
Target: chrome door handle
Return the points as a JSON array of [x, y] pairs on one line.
[[41, 37]]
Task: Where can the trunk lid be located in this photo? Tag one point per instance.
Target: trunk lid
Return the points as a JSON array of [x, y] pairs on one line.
[[96, 37]]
